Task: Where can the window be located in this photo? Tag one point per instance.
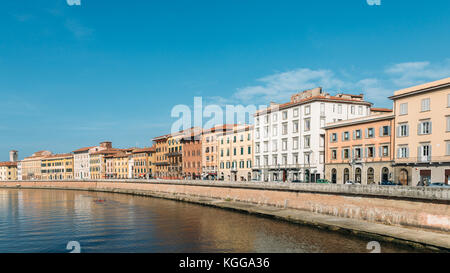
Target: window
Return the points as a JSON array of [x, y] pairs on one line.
[[385, 131], [346, 153], [274, 117], [370, 132], [404, 109], [295, 126], [295, 143], [266, 119], [333, 137], [353, 110], [322, 108], [285, 128], [322, 122], [257, 134], [274, 145], [284, 144], [424, 152], [307, 110], [385, 150], [285, 115], [448, 124], [403, 130], [307, 124], [257, 121], [333, 154], [357, 153], [357, 134], [266, 131], [403, 152], [275, 130], [370, 152], [257, 147], [266, 146], [339, 108], [424, 128], [360, 110], [307, 141], [346, 136], [249, 150], [447, 145], [296, 112], [425, 104]]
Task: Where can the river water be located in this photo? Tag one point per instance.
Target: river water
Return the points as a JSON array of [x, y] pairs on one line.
[[44, 221]]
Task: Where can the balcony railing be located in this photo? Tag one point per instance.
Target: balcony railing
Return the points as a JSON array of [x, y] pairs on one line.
[[173, 154], [283, 166], [422, 159]]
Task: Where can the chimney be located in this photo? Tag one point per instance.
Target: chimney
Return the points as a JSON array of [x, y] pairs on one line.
[[13, 156]]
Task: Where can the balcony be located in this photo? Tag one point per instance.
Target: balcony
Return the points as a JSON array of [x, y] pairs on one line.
[[422, 160], [282, 166], [172, 154]]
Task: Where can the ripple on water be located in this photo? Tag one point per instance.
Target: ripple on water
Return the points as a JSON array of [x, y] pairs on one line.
[[46, 220]]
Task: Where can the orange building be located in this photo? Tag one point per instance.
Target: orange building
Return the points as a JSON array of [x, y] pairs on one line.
[[192, 156], [361, 149], [161, 163]]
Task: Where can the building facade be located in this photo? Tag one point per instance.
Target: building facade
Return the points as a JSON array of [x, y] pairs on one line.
[[81, 159], [161, 165], [192, 156], [57, 167], [31, 166], [210, 157], [8, 171], [422, 133], [142, 160], [174, 156], [360, 150], [235, 150], [290, 137]]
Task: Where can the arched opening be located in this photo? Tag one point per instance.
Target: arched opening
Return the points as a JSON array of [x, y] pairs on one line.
[[307, 176], [358, 175], [370, 176], [384, 174], [346, 175], [403, 177], [333, 176]]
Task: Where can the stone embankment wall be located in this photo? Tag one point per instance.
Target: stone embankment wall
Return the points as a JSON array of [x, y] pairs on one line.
[[404, 206]]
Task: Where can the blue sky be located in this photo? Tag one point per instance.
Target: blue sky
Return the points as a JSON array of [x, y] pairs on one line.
[[72, 76]]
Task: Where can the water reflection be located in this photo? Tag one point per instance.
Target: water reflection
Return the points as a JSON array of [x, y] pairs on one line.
[[46, 220]]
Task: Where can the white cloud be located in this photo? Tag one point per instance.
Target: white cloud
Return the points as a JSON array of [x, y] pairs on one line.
[[279, 87], [412, 73]]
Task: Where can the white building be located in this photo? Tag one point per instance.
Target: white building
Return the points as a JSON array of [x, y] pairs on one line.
[[81, 159], [19, 170], [289, 138]]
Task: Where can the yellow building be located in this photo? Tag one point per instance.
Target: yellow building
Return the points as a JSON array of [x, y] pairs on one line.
[[160, 159], [120, 165], [174, 156], [8, 171], [57, 167], [235, 150], [97, 163], [141, 162], [31, 166]]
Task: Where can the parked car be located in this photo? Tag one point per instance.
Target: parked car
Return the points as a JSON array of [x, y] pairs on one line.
[[349, 182], [298, 181], [388, 183], [322, 181], [439, 185]]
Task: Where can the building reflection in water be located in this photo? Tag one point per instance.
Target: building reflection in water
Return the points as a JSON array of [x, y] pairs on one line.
[[46, 220]]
